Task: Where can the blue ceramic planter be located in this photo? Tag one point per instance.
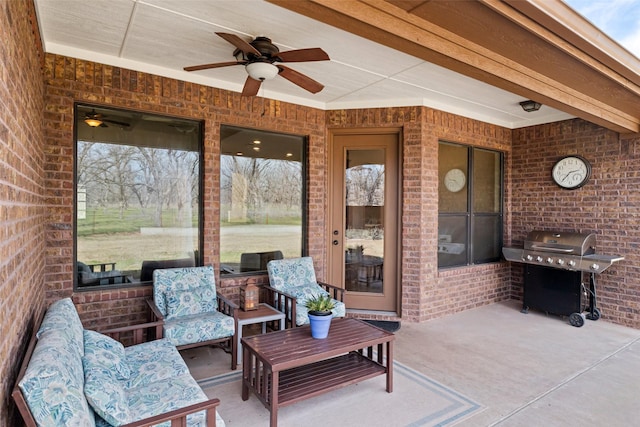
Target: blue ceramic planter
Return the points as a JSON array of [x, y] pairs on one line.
[[320, 325]]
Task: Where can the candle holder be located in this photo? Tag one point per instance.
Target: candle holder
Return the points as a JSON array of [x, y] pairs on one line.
[[249, 297]]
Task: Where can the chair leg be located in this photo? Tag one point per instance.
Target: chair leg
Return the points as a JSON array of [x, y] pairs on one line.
[[234, 353]]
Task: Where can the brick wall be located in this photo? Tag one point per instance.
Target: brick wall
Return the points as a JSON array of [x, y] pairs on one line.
[[607, 205], [70, 80], [22, 212]]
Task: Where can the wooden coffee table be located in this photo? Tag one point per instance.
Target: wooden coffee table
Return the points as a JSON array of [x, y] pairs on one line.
[[284, 367]]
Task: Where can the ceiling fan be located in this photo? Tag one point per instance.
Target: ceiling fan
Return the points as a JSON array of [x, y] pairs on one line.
[[263, 61], [95, 119]]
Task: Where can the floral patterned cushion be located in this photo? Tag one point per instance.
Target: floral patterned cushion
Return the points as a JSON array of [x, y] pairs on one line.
[[296, 277], [62, 315], [285, 274], [168, 282], [197, 300], [164, 396], [198, 328], [153, 361], [105, 393], [104, 351], [53, 383], [304, 292]]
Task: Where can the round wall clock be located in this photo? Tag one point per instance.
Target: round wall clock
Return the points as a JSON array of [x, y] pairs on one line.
[[455, 180], [571, 172]]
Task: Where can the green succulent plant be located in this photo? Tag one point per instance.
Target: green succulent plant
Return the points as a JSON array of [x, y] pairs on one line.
[[320, 303]]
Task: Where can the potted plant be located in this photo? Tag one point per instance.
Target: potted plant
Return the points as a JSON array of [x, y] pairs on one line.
[[320, 307]]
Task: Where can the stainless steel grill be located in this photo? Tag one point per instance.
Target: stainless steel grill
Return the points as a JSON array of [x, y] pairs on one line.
[[554, 263], [568, 251]]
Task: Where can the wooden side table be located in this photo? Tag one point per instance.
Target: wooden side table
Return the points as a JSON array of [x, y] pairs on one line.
[[265, 313]]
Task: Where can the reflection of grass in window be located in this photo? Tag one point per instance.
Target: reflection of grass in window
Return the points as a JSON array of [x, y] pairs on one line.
[[108, 221], [105, 237], [243, 238]]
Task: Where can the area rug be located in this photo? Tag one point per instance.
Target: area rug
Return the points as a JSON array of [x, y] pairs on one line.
[[416, 401]]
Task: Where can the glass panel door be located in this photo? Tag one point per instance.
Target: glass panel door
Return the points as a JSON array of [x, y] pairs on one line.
[[364, 220]]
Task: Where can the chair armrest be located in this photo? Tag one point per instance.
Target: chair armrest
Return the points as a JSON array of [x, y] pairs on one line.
[[156, 315], [335, 292], [154, 331], [226, 306], [283, 302], [179, 416]]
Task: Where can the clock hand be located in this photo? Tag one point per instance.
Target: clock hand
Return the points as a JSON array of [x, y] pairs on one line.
[[570, 172]]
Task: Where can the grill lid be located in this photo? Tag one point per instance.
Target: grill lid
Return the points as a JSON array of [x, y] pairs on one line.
[[567, 243]]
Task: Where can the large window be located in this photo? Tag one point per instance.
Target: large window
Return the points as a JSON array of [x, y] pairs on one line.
[[470, 205], [262, 214], [138, 197]]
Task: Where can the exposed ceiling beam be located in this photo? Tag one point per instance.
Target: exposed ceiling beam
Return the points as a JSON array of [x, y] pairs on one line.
[[525, 49]]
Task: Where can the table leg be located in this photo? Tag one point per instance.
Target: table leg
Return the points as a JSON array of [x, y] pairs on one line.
[[273, 399], [238, 345], [264, 327], [390, 367], [247, 370]]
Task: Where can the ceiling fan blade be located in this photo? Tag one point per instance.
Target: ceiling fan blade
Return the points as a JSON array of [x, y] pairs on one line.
[[251, 87], [240, 44], [300, 79], [214, 65], [303, 55], [115, 122]]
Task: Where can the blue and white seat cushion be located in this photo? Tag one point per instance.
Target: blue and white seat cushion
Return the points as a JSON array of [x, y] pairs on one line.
[[289, 273], [198, 328], [149, 363], [159, 382], [201, 299], [170, 284], [107, 352], [105, 393], [53, 383], [62, 315], [297, 277], [187, 299]]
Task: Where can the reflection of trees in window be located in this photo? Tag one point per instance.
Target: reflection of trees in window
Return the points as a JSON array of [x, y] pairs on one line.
[[249, 185], [365, 185], [123, 176]]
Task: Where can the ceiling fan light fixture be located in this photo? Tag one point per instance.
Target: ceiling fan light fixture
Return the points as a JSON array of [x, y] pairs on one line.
[[93, 122], [530, 106], [262, 71]]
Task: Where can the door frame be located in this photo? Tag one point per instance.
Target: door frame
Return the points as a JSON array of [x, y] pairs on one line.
[[331, 205]]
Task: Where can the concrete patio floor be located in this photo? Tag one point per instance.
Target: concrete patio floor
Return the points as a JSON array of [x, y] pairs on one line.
[[524, 369]]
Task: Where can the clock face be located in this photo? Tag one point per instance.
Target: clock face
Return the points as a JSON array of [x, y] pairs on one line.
[[455, 180], [571, 172]]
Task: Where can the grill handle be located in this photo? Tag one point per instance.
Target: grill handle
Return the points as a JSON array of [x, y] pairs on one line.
[[552, 249]]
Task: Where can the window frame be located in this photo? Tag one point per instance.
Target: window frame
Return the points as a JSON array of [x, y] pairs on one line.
[[198, 258], [470, 215]]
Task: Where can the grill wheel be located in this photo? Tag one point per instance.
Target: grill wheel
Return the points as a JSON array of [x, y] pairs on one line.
[[576, 320]]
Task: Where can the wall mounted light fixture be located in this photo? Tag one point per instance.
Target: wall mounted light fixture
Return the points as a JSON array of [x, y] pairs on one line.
[[530, 106]]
